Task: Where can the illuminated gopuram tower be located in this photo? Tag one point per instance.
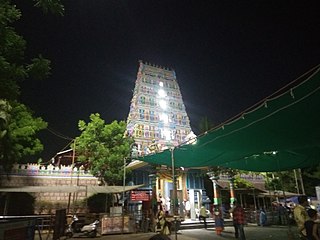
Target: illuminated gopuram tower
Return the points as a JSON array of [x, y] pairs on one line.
[[157, 116]]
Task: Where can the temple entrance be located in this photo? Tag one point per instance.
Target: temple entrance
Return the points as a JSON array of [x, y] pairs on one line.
[[195, 199]]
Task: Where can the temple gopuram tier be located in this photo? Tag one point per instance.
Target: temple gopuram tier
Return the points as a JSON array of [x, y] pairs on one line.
[[157, 118]]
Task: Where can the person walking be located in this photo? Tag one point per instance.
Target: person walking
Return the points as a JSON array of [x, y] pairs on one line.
[[203, 215], [300, 215], [239, 221]]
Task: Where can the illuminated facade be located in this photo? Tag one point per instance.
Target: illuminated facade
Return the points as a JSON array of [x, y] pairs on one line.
[[157, 116], [158, 120]]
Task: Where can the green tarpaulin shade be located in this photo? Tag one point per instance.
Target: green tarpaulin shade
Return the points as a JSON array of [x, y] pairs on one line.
[[280, 133]]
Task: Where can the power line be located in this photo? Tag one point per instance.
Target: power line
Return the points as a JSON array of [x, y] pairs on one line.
[[69, 143], [60, 135]]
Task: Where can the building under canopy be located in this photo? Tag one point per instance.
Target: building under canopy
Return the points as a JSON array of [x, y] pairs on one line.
[[281, 132]]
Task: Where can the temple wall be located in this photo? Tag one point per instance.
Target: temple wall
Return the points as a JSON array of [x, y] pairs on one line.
[[36, 175]]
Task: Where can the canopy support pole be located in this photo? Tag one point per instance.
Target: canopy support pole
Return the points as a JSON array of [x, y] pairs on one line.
[[301, 182], [174, 183]]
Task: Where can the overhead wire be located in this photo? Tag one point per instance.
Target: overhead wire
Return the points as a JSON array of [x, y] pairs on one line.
[[60, 135]]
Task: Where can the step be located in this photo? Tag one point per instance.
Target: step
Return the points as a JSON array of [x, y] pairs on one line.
[[195, 224]]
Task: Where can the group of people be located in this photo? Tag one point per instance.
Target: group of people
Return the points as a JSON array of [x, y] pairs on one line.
[[237, 213], [304, 216]]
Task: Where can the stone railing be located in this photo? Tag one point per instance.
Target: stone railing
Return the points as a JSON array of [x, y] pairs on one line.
[[32, 169]]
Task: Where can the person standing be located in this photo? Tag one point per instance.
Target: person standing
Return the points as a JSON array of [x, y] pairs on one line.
[[312, 227], [218, 221], [282, 214], [300, 215], [203, 215], [161, 222], [162, 201], [239, 221], [187, 207], [236, 233], [263, 218]]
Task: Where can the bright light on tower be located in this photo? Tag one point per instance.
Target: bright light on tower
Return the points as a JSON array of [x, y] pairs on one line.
[[164, 117], [162, 93], [167, 134], [163, 104]]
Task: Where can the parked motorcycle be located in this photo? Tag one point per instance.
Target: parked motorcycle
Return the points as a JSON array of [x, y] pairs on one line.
[[75, 229]]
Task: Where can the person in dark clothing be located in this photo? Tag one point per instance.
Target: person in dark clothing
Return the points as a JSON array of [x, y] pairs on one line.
[[203, 215], [312, 227], [239, 221]]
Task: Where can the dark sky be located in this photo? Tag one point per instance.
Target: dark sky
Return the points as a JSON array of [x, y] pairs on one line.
[[227, 55]]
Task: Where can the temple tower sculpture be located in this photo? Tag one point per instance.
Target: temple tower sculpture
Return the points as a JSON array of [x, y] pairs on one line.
[[157, 118]]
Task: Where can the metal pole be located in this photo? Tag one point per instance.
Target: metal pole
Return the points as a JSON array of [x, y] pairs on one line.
[[301, 182], [124, 188], [174, 191], [73, 157], [174, 195], [296, 181]]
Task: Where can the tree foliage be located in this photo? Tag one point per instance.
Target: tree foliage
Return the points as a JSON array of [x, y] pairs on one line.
[[18, 126], [20, 139], [281, 181], [4, 117], [53, 6], [103, 148]]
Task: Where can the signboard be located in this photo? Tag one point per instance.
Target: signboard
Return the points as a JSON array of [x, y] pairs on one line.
[[139, 196], [118, 224]]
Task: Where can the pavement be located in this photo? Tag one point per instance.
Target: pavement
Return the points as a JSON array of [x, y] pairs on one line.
[[252, 232]]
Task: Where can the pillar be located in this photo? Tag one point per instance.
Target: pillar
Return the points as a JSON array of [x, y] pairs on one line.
[[192, 205], [216, 193], [232, 195]]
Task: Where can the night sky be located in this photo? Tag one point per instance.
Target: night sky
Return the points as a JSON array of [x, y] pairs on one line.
[[228, 55]]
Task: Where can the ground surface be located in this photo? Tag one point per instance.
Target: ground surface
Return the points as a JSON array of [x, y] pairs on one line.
[[252, 233]]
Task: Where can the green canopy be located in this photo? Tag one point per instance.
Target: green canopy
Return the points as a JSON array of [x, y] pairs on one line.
[[281, 132]]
